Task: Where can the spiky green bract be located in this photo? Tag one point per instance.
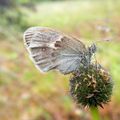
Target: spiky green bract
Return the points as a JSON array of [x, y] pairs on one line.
[[91, 86]]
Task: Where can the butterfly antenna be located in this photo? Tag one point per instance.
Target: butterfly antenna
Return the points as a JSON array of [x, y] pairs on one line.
[[108, 39]]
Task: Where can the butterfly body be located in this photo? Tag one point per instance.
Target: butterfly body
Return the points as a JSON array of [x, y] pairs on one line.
[[50, 49]]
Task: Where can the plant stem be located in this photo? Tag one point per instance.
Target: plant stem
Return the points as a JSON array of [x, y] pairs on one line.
[[95, 113]]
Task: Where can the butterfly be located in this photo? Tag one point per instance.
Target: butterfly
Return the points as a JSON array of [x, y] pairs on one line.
[[50, 49]]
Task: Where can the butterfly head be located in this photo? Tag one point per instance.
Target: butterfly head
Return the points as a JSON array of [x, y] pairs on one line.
[[92, 49], [87, 56]]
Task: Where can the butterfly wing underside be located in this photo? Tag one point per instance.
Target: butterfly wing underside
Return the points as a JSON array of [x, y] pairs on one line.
[[50, 49]]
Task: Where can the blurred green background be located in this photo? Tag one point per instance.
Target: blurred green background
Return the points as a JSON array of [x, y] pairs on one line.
[[27, 94]]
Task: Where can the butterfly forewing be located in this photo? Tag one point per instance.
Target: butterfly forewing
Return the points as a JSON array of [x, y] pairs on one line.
[[50, 49]]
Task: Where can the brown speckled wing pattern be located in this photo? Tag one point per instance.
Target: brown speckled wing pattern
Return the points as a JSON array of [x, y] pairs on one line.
[[50, 49]]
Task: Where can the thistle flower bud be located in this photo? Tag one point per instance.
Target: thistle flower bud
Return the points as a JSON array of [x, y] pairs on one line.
[[91, 86]]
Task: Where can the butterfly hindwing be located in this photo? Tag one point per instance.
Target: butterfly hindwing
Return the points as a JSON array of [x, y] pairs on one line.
[[50, 49]]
